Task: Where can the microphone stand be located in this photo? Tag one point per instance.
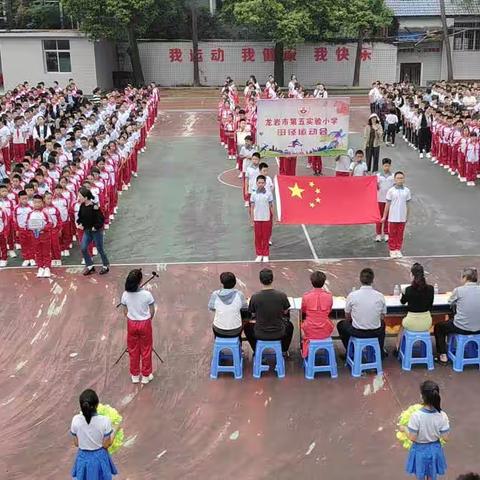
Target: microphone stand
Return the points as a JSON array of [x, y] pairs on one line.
[[154, 274]]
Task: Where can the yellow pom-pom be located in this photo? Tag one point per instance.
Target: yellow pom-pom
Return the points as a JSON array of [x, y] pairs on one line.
[[116, 419]]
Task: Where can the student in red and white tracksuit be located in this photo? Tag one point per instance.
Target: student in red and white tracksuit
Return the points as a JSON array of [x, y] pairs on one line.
[[39, 226], [396, 212], [139, 309], [472, 159], [56, 230], [385, 182], [261, 215], [3, 238], [19, 140], [24, 237]]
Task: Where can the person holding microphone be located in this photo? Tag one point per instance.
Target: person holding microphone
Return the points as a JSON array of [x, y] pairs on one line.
[[139, 309]]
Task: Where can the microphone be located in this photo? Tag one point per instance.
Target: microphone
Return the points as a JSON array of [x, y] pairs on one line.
[[154, 274]]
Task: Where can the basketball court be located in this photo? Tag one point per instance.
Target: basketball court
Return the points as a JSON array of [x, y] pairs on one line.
[[184, 219]]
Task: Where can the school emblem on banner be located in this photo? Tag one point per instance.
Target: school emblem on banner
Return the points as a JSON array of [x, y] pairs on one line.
[[308, 126]]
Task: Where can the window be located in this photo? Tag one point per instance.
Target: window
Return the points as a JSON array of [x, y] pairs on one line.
[[57, 56], [466, 36]]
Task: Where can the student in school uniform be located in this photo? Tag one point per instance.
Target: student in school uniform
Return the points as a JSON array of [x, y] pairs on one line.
[[342, 164], [139, 310], [472, 156], [251, 175], [358, 167], [63, 207], [56, 221], [39, 226], [4, 228], [397, 212], [22, 234], [426, 427], [92, 435], [19, 140], [261, 216], [391, 122], [385, 182], [245, 154]]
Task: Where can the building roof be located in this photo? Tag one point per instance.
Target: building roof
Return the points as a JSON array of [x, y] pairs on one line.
[[66, 33], [431, 8]]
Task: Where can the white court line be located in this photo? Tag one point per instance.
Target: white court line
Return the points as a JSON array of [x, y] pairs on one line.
[[219, 262], [226, 183], [188, 110], [309, 241]]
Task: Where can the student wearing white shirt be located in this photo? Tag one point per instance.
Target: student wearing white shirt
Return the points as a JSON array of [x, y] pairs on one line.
[[342, 164], [139, 310], [385, 181], [391, 121], [358, 167], [397, 211], [320, 91], [93, 435], [251, 175], [261, 215]]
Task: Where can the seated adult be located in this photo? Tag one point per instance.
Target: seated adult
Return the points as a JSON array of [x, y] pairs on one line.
[[270, 310], [465, 300], [316, 307], [418, 297], [365, 310], [227, 304]]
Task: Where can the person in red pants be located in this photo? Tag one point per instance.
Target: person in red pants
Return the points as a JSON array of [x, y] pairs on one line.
[[287, 165], [39, 226], [3, 238], [385, 182], [397, 211], [139, 309], [261, 215]]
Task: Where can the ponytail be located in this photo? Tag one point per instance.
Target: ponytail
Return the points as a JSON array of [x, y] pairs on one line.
[[88, 404], [431, 394]]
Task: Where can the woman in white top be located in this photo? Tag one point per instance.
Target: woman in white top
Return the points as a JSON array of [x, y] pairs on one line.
[[139, 309], [227, 303], [292, 86], [93, 435]]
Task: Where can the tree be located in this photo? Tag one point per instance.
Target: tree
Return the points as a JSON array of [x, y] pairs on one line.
[[116, 20], [286, 22], [357, 19]]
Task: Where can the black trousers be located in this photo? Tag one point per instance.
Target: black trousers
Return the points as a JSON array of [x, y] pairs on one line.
[[347, 330], [218, 332], [372, 153], [391, 131], [372, 107], [443, 329], [424, 139], [286, 338]]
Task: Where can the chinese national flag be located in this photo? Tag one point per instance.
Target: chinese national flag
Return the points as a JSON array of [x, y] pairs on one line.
[[327, 200]]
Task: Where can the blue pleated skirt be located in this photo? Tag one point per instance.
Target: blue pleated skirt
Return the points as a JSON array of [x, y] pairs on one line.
[[93, 465], [426, 460]]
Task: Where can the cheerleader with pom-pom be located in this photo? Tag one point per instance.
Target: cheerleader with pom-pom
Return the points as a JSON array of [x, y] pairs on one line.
[[93, 435], [427, 428]]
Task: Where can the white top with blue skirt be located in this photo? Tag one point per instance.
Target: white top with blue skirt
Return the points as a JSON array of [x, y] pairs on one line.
[[93, 462], [426, 457]]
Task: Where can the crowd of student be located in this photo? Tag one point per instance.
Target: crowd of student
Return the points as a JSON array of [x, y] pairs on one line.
[[441, 122], [64, 161], [267, 317]]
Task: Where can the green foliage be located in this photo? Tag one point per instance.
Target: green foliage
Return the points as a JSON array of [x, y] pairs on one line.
[[353, 16], [111, 18]]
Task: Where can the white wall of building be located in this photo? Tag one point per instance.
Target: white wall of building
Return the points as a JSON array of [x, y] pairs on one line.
[[169, 63]]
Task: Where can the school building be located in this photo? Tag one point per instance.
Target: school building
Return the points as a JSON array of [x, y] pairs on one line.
[[414, 51]]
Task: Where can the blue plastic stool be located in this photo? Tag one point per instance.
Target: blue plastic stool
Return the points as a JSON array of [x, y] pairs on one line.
[[407, 354], [355, 357], [322, 347], [235, 356], [259, 367], [463, 350]]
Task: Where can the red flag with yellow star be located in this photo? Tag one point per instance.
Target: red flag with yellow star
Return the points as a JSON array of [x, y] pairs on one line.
[[327, 200]]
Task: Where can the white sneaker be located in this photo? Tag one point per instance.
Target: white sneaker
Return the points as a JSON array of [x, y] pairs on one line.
[[393, 253], [66, 253], [270, 242], [135, 174], [106, 226], [115, 210], [135, 378], [428, 155], [470, 184], [12, 254], [240, 175], [40, 273], [393, 145], [112, 216], [148, 379], [62, 253], [46, 273], [385, 237], [95, 251], [247, 204], [378, 238], [83, 261], [421, 155], [462, 179], [399, 254], [266, 259], [3, 263], [26, 263], [259, 258], [18, 246], [33, 263]]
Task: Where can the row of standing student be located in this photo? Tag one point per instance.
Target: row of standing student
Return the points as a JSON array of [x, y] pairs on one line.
[[42, 187]]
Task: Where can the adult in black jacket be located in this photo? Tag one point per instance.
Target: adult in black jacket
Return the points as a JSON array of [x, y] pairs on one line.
[[91, 220]]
